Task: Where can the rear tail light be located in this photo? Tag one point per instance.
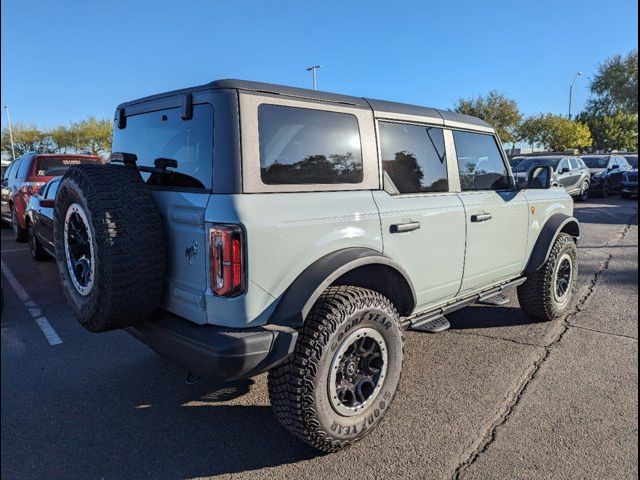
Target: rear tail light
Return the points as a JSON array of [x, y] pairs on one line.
[[227, 269], [30, 188]]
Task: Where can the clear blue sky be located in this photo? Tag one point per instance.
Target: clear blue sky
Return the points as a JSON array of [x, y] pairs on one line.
[[63, 60]]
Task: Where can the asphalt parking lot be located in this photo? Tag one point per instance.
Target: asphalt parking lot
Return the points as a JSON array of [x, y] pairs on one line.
[[497, 396]]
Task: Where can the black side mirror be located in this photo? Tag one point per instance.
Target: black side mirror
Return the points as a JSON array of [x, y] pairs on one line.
[[540, 177], [564, 170]]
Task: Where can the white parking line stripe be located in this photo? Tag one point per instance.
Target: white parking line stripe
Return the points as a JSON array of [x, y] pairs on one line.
[[15, 250], [48, 331]]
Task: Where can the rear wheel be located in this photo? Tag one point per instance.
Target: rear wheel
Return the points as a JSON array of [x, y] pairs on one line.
[[344, 372], [19, 233], [37, 252], [548, 292], [110, 246]]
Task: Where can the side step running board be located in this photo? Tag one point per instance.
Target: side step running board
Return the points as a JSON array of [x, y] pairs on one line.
[[429, 315], [495, 299], [435, 325]]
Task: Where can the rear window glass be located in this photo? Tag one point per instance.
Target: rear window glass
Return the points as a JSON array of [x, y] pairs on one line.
[[164, 134], [304, 146], [51, 166], [414, 157]]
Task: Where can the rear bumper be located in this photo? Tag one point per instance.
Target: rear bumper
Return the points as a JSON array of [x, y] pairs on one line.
[[219, 352]]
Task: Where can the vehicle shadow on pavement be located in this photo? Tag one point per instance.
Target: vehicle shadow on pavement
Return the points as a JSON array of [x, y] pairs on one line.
[[202, 430], [140, 420], [478, 316]]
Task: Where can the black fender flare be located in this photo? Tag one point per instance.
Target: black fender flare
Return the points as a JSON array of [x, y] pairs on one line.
[[296, 302], [557, 223]]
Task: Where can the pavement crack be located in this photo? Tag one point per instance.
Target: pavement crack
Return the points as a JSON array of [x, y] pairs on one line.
[[619, 335], [489, 435]]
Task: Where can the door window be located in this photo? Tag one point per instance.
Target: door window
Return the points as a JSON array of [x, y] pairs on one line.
[[564, 164], [413, 158], [574, 163], [480, 162]]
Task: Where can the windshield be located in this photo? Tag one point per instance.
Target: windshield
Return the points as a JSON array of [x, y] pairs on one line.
[[596, 162], [633, 160], [527, 164]]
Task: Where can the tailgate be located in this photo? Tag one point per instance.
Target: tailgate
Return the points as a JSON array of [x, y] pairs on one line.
[[186, 282]]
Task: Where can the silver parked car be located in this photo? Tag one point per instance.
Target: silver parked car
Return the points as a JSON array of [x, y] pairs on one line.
[[569, 172], [243, 227]]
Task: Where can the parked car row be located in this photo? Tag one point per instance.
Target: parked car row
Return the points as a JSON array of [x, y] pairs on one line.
[[585, 175], [29, 186]]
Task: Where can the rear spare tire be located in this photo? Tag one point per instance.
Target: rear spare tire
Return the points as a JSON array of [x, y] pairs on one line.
[[110, 246]]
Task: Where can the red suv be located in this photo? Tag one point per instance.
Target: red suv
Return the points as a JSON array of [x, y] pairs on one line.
[[25, 176]]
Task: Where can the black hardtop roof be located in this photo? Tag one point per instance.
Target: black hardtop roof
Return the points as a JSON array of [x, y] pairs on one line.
[[376, 105]]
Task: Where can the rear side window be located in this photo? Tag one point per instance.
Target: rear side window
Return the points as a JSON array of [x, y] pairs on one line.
[[163, 134], [50, 166], [53, 189], [304, 146], [480, 162], [574, 163], [414, 158]]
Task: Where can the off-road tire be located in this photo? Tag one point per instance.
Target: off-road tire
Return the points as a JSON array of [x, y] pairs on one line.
[[299, 388], [536, 295], [19, 234], [35, 247], [128, 241]]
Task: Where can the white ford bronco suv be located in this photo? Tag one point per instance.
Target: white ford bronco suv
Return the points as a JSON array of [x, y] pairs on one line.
[[243, 227]]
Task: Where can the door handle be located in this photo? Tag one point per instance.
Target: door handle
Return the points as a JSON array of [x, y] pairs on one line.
[[404, 227], [481, 217]]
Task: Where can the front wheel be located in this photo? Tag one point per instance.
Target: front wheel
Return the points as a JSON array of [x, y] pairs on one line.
[[344, 372], [548, 292]]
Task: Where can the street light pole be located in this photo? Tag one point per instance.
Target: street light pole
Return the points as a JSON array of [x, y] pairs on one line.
[[313, 71], [13, 151], [571, 91]]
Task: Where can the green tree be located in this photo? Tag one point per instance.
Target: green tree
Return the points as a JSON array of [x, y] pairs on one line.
[[618, 131], [92, 135], [496, 109], [531, 129], [615, 86], [26, 138], [559, 133], [63, 139]]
